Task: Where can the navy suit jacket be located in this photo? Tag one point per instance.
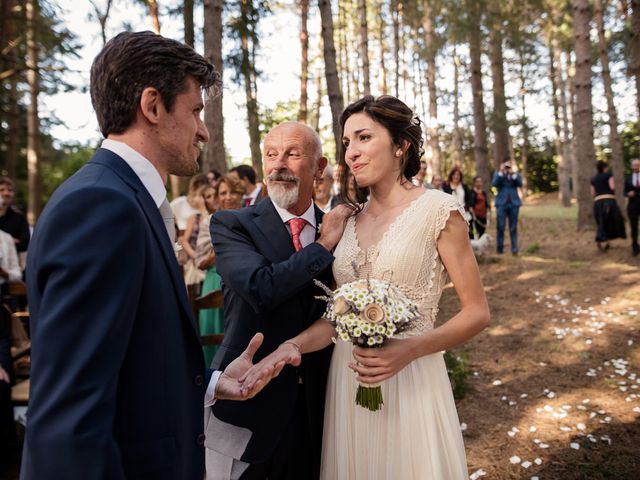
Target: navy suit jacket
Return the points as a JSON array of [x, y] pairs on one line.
[[507, 189], [634, 202], [118, 375], [268, 287]]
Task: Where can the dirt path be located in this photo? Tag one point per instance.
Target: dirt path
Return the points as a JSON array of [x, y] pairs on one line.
[[556, 378]]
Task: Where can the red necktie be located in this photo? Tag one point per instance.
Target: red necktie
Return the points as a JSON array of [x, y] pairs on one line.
[[297, 225], [247, 202]]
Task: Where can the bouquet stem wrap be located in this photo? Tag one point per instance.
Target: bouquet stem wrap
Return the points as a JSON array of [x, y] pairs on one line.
[[369, 397]]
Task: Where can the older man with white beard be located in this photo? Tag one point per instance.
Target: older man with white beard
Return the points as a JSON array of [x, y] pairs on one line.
[[268, 256]]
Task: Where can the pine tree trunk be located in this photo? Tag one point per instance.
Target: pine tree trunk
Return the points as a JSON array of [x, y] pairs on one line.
[[524, 127], [187, 15], [499, 121], [304, 62], [393, 7], [13, 119], [584, 111], [383, 51], [571, 86], [364, 46], [33, 121], [567, 137], [333, 82], [431, 51], [345, 72], [214, 155], [634, 64], [480, 150], [249, 77], [617, 158], [155, 17], [316, 118], [564, 190], [456, 137]]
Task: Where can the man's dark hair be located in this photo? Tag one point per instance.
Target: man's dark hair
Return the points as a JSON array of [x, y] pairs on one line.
[[245, 171], [133, 61], [7, 181], [601, 166], [216, 173]]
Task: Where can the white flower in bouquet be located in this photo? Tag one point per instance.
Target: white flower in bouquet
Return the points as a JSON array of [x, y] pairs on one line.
[[366, 313]]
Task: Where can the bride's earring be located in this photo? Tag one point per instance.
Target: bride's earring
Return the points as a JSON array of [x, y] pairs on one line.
[[399, 153]]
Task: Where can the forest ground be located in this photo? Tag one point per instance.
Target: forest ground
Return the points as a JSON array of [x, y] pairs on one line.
[[555, 379]]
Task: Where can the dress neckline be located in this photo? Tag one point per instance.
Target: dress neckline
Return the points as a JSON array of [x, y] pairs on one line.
[[390, 227]]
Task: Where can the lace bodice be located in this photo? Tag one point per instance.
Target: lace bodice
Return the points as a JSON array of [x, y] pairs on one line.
[[406, 255]]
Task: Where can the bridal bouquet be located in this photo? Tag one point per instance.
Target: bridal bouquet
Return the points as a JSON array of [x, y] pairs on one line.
[[366, 313]]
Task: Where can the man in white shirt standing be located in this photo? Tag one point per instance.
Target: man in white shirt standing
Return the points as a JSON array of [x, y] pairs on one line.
[[118, 378]]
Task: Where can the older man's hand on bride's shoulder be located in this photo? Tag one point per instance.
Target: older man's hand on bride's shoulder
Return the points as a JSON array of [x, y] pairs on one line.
[[333, 224], [230, 385]]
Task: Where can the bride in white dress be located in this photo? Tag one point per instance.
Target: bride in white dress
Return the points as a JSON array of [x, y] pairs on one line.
[[415, 238]]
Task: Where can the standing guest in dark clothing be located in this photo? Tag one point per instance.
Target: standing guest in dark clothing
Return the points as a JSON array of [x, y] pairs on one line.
[[508, 203], [12, 221], [632, 192], [480, 207], [605, 209]]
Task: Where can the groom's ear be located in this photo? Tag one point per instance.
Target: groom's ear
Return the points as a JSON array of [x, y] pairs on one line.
[[150, 105]]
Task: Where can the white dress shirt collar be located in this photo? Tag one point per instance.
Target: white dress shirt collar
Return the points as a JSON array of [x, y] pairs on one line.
[[309, 215], [143, 168]]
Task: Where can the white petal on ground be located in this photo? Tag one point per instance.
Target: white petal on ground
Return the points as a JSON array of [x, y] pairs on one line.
[[575, 446], [526, 464], [515, 459], [497, 383], [538, 461]]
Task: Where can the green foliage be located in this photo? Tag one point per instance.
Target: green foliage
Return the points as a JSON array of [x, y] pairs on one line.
[[542, 167], [282, 112], [458, 373], [533, 248], [66, 162]]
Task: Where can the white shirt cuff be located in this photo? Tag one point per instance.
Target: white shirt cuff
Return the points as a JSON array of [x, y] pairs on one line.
[[210, 394]]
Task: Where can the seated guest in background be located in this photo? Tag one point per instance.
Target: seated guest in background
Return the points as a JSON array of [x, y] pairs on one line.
[[193, 276], [13, 221], [419, 179], [253, 190], [183, 206], [7, 430], [213, 177], [323, 191], [605, 208], [480, 207], [228, 196], [436, 182]]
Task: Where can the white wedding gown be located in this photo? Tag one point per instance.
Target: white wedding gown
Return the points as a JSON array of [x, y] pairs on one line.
[[417, 433]]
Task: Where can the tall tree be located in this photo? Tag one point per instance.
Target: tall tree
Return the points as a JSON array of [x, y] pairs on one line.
[[431, 50], [499, 123], [9, 42], [33, 120], [331, 73], [304, 59], [395, 18], [583, 127], [456, 138], [382, 44], [634, 60], [214, 155], [155, 14], [480, 149], [617, 158], [187, 16], [364, 46], [244, 28], [102, 17], [555, 72]]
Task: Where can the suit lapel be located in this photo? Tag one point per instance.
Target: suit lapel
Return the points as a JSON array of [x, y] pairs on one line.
[[120, 167], [277, 242]]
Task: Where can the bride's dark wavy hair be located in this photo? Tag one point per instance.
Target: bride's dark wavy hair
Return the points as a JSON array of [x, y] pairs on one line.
[[403, 126]]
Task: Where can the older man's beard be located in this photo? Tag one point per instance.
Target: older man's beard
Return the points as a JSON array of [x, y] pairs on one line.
[[285, 196]]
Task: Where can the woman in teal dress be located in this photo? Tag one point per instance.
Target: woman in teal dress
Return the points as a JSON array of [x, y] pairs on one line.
[[227, 196]]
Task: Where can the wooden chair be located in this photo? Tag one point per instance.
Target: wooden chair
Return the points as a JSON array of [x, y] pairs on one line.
[[210, 300]]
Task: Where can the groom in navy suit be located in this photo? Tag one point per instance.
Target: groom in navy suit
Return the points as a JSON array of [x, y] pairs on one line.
[[118, 380], [268, 256]]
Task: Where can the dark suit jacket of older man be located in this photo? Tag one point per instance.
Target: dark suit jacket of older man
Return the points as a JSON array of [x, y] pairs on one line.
[[267, 287]]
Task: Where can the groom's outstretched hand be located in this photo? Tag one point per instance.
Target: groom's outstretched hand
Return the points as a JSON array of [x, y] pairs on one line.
[[229, 386]]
